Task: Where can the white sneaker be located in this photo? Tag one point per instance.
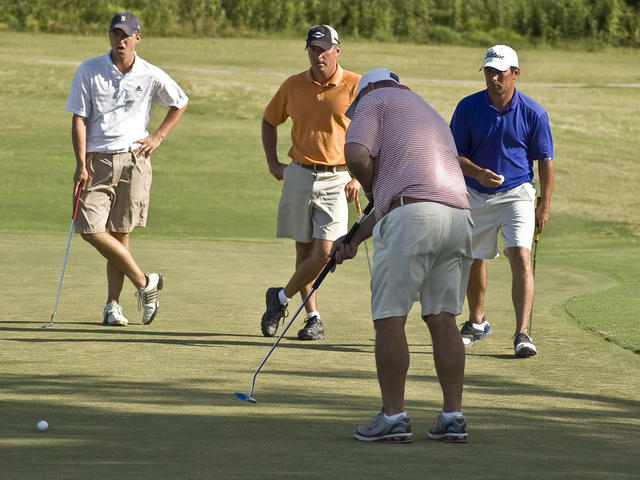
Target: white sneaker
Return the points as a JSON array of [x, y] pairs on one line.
[[523, 346], [148, 297], [113, 316]]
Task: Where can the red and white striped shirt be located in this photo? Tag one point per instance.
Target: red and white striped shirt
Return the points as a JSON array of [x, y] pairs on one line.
[[412, 148]]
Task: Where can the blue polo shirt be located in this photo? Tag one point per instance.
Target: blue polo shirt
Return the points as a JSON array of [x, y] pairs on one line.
[[505, 142]]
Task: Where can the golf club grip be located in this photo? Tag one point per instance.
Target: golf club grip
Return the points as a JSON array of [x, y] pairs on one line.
[[536, 233], [346, 239], [77, 201]]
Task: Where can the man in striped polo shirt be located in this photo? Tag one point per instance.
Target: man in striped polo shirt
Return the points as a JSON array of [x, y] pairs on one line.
[[403, 154], [316, 184]]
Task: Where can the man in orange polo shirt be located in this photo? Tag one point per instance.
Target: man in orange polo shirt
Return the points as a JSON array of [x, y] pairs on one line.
[[316, 184]]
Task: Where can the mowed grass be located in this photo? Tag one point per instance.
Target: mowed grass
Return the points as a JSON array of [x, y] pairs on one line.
[[157, 401]]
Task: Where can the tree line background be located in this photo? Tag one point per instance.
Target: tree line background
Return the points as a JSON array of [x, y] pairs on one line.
[[593, 22]]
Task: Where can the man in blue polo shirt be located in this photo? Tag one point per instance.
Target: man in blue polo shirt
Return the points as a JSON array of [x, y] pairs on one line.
[[499, 133]]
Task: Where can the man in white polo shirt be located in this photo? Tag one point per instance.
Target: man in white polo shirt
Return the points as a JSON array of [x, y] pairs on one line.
[[403, 154], [110, 98]]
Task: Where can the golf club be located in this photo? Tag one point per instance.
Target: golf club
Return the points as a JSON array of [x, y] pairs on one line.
[[66, 255], [536, 236], [359, 212], [249, 396]]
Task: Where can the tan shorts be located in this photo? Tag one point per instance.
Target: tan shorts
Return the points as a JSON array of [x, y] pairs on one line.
[[312, 205], [512, 213], [422, 252], [117, 194]]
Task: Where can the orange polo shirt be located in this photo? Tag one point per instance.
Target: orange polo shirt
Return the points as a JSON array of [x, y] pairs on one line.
[[317, 112]]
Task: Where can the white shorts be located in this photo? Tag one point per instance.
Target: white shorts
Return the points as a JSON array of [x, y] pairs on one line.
[[512, 213], [312, 205], [422, 251]]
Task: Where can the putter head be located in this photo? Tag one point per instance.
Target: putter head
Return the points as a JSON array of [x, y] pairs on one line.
[[246, 398], [49, 324]]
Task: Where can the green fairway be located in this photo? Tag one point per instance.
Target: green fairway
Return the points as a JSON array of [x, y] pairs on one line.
[[157, 401]]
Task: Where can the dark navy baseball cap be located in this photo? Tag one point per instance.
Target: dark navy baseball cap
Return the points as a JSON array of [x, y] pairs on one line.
[[125, 21]]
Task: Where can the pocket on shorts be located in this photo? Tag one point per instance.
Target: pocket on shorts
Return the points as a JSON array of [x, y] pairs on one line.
[[410, 237], [101, 171], [527, 191], [378, 232]]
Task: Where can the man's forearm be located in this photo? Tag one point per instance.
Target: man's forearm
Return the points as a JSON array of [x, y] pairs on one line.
[[469, 169], [546, 175], [270, 142], [79, 139], [171, 119], [360, 164]]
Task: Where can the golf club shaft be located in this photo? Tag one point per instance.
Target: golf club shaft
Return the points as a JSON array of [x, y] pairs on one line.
[[347, 238], [66, 255], [366, 247], [64, 265], [275, 344], [536, 237], [314, 287]]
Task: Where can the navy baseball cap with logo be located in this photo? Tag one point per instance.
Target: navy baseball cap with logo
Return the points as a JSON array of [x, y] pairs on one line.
[[323, 36], [125, 21]]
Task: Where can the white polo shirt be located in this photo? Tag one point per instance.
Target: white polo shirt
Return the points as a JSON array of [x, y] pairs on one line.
[[117, 106]]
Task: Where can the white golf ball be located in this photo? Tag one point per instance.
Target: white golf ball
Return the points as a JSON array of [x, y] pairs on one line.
[[42, 425], [501, 179]]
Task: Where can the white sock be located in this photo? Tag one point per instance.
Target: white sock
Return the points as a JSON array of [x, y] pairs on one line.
[[480, 326], [283, 298], [393, 418], [315, 313], [451, 415]]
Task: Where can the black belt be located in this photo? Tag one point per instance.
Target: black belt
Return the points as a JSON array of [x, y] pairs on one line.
[[324, 168]]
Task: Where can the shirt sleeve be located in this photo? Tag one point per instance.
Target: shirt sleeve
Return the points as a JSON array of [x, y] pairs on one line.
[[541, 142], [460, 131], [276, 111], [79, 97], [168, 93], [367, 124]]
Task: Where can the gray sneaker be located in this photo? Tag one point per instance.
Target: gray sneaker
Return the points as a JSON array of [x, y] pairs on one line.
[[453, 431], [148, 297], [312, 330], [380, 430], [112, 316], [274, 313]]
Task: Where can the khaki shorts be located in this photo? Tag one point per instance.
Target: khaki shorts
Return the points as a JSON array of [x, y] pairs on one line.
[[117, 194], [312, 205], [422, 251], [512, 213]]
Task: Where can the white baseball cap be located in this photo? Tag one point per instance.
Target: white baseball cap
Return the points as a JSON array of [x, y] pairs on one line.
[[500, 57], [372, 76]]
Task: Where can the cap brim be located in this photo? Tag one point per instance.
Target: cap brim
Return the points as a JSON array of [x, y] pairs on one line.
[[128, 29], [501, 66], [323, 45]]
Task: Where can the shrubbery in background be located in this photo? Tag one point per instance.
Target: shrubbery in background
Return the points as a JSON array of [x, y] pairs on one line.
[[607, 22]]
